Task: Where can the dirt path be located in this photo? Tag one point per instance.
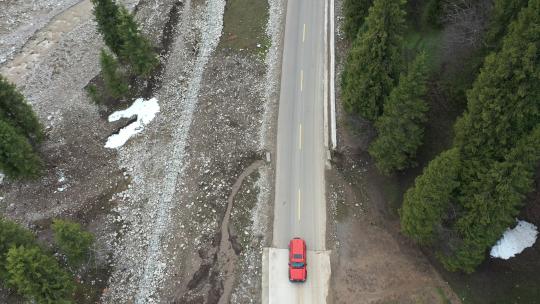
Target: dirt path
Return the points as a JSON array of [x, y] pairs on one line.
[[227, 256], [45, 39]]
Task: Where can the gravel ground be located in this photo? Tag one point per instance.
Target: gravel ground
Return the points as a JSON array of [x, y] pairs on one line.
[[156, 204], [20, 19]]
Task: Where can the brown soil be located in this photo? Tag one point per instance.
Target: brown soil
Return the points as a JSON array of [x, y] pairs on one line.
[[372, 263]]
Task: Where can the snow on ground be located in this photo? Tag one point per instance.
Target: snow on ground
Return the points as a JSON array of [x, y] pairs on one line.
[[514, 241], [145, 110]]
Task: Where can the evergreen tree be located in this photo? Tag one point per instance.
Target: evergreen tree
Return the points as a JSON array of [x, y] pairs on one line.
[[115, 82], [12, 235], [355, 11], [426, 204], [16, 112], [503, 13], [136, 49], [107, 14], [17, 158], [498, 139], [374, 62], [494, 207], [400, 128], [504, 103], [72, 240], [38, 276]]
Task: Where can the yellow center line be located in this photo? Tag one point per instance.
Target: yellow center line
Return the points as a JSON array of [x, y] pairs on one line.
[[299, 200], [301, 80], [304, 33], [300, 137]]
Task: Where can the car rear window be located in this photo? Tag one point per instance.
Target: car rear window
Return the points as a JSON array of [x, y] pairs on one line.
[[297, 256]]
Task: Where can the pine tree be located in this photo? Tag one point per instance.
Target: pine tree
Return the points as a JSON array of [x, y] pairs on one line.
[[12, 235], [136, 50], [498, 139], [115, 82], [400, 128], [107, 14], [374, 62], [426, 204], [72, 240], [17, 158], [504, 103], [502, 14], [38, 276], [355, 11], [496, 204], [16, 112]]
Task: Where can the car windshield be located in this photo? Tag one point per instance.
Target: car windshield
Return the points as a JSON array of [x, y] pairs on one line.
[[297, 265], [297, 256]]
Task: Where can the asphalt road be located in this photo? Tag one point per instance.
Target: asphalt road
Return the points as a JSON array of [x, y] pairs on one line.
[[300, 203], [300, 207]]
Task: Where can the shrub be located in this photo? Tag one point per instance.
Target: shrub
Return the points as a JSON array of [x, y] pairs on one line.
[[17, 157], [93, 93], [38, 276], [72, 240], [12, 235]]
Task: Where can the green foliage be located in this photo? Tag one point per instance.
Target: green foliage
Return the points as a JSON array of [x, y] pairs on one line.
[[374, 62], [136, 49], [72, 240], [16, 112], [498, 138], [17, 158], [94, 94], [503, 104], [400, 127], [115, 82], [502, 14], [38, 276], [431, 15], [495, 205], [122, 36], [12, 235], [425, 205], [107, 14], [355, 11]]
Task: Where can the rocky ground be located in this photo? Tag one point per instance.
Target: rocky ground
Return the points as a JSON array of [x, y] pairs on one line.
[[158, 204]]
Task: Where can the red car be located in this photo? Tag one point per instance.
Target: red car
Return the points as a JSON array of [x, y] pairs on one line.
[[297, 260]]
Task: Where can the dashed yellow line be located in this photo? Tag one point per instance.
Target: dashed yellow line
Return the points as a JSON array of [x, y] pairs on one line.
[[304, 33], [301, 80], [300, 137], [299, 204]]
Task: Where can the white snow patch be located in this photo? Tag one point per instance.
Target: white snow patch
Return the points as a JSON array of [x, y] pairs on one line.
[[145, 110], [514, 241], [2, 176]]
